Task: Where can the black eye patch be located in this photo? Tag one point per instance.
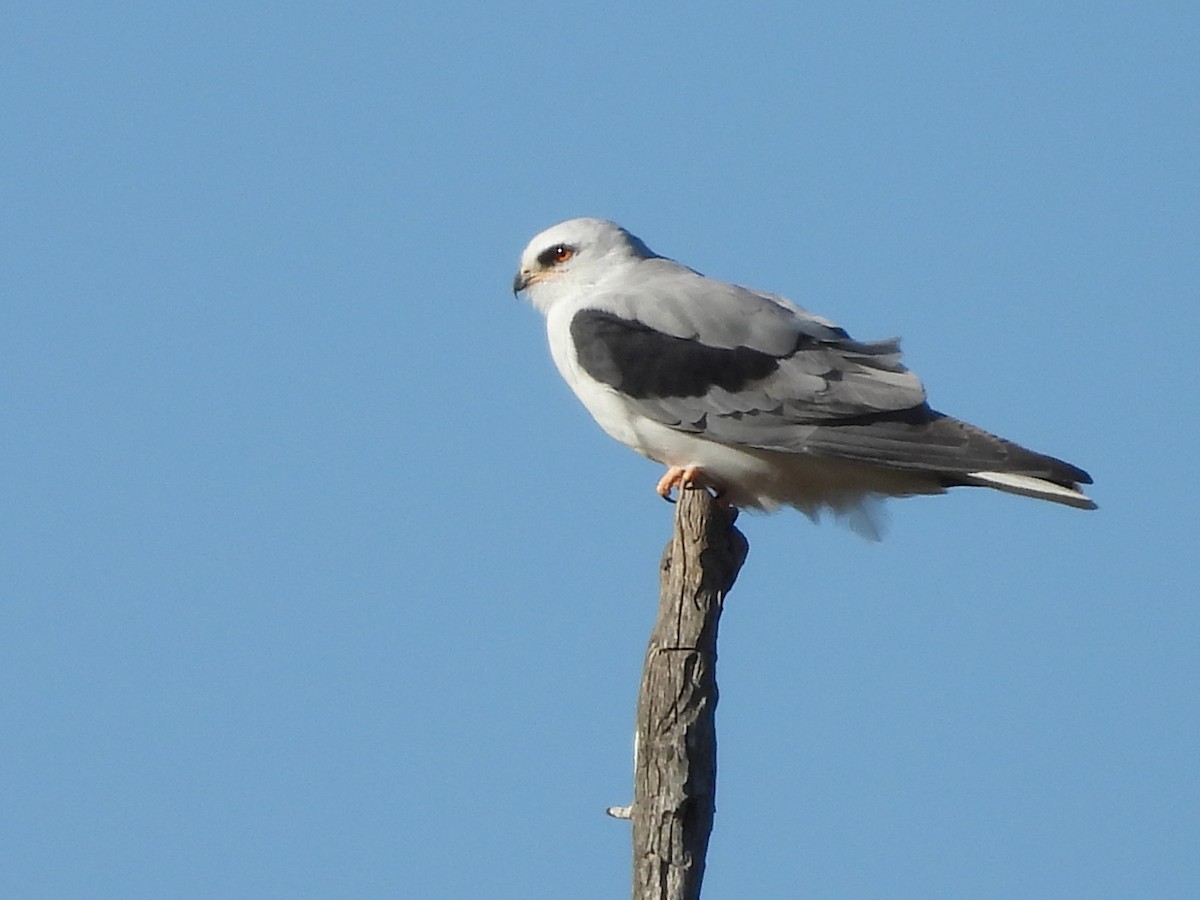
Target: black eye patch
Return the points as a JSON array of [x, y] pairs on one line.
[[552, 256]]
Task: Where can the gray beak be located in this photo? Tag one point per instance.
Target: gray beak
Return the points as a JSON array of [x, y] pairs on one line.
[[520, 282]]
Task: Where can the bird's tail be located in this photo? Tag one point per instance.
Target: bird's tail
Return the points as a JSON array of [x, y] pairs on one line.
[[1030, 486], [954, 452]]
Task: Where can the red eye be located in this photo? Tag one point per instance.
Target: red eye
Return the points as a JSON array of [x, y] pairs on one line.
[[556, 255]]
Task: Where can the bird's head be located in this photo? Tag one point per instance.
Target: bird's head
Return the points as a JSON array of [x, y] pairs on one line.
[[572, 256]]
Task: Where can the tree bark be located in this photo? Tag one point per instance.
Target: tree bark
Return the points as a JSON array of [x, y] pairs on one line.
[[675, 768]]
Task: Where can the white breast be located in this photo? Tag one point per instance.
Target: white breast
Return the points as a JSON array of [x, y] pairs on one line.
[[752, 478], [607, 406], [620, 419]]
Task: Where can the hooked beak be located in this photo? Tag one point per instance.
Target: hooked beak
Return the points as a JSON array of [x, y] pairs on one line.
[[521, 281]]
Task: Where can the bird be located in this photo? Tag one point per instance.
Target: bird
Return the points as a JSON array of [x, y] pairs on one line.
[[749, 395]]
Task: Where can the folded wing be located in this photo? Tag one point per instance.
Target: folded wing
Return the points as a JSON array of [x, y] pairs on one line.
[[749, 369]]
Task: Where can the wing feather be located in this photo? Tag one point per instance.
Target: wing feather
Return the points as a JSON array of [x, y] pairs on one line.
[[749, 369]]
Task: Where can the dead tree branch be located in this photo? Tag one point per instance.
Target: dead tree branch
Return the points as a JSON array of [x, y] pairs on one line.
[[675, 770]]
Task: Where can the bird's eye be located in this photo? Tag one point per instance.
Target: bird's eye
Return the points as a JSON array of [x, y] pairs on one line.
[[556, 255]]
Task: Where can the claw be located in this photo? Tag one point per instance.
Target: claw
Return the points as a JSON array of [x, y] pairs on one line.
[[668, 482], [682, 477], [679, 477]]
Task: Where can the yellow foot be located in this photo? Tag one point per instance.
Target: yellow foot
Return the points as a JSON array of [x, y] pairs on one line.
[[680, 477]]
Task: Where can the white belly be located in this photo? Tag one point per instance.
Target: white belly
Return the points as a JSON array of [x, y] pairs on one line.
[[752, 478], [620, 419]]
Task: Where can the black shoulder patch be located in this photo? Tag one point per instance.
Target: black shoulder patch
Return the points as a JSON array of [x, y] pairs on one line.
[[641, 362]]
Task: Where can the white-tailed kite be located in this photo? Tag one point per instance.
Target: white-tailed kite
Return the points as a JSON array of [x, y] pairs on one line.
[[749, 394]]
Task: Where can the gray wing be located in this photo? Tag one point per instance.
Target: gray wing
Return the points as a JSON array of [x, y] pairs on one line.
[[750, 369], [684, 347]]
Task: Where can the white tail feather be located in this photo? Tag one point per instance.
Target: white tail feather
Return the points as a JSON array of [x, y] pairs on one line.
[[1028, 486]]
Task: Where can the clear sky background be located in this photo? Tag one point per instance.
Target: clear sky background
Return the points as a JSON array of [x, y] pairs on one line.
[[317, 581]]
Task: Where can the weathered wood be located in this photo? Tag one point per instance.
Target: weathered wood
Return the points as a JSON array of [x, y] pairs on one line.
[[675, 769]]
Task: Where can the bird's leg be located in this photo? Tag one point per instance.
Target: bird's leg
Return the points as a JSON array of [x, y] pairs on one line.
[[668, 482], [693, 477], [680, 477]]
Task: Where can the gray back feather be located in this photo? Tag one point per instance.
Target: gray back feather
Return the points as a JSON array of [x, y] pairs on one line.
[[830, 395]]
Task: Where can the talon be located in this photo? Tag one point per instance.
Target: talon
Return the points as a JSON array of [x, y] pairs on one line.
[[669, 482], [679, 477], [693, 479], [688, 477]]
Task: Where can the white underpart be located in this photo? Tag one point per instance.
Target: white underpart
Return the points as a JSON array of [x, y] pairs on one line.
[[749, 477], [600, 265]]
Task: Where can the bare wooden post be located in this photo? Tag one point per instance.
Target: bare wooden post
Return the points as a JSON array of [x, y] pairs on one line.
[[675, 767]]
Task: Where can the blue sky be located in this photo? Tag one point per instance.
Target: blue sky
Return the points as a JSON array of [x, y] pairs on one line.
[[316, 580]]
